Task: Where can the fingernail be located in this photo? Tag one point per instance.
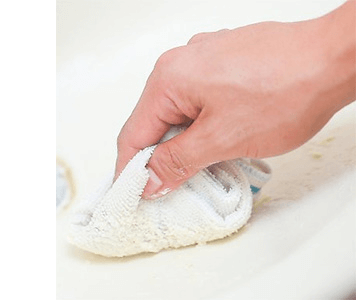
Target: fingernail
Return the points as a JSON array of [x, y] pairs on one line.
[[158, 194], [153, 184]]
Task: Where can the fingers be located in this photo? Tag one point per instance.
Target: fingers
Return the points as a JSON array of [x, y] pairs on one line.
[[178, 159], [142, 129], [181, 157], [146, 126], [155, 112], [152, 116]]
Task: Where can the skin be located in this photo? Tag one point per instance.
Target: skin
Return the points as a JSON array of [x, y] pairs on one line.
[[256, 91]]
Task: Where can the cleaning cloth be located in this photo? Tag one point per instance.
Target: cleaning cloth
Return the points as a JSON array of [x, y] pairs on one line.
[[215, 203]]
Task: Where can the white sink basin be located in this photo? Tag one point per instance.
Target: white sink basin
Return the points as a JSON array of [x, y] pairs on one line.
[[300, 241]]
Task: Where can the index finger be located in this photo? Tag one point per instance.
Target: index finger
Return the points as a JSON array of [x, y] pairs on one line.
[[142, 129], [149, 121]]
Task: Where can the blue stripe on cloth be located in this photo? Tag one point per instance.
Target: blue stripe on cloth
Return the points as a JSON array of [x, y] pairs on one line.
[[254, 189]]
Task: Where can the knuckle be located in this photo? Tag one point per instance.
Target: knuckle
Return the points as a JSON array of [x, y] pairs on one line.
[[120, 137], [175, 163], [172, 164], [166, 69], [119, 140], [167, 59], [196, 38], [202, 36], [223, 31]]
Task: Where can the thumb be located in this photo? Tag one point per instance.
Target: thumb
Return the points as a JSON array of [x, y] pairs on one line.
[[180, 158]]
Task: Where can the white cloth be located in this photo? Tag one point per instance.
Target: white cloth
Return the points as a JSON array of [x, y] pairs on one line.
[[117, 222]]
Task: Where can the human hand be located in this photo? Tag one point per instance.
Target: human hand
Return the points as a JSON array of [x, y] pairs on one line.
[[257, 91]]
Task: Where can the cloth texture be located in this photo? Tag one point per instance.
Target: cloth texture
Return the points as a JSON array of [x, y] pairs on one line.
[[215, 203]]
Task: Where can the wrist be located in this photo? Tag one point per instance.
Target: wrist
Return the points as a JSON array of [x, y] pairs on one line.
[[337, 49]]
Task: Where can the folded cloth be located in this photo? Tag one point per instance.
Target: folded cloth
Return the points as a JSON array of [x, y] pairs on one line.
[[213, 204]]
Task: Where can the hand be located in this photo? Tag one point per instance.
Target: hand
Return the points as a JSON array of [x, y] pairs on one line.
[[257, 91]]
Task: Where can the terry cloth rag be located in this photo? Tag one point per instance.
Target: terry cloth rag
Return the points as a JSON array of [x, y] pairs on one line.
[[215, 203]]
